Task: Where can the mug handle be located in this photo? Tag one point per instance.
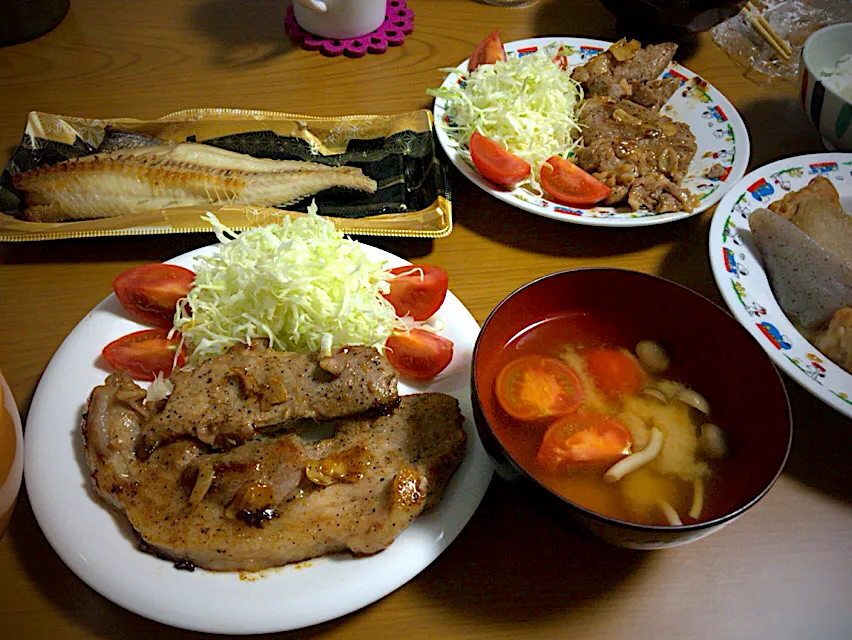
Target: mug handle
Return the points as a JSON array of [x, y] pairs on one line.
[[314, 5]]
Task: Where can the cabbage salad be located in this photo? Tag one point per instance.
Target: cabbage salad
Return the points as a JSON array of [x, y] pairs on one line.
[[299, 284], [528, 104]]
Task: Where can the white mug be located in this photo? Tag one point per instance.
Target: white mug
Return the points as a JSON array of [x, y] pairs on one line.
[[340, 19]]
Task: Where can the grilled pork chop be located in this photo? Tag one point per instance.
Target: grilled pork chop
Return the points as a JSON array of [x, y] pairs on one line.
[[272, 500], [228, 399], [642, 155], [625, 71]]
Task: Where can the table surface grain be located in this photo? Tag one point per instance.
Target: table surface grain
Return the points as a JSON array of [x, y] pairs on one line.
[[784, 570]]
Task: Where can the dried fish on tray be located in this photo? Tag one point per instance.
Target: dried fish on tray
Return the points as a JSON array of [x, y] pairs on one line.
[[371, 175]]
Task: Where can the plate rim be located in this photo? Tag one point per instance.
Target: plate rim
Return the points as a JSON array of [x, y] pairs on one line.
[[718, 222], [412, 552], [10, 488], [743, 152]]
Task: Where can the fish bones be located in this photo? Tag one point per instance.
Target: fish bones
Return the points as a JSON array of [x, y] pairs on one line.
[[127, 181]]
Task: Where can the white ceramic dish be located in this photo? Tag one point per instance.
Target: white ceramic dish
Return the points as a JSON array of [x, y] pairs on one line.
[[828, 110], [719, 132], [739, 273], [101, 549], [11, 471]]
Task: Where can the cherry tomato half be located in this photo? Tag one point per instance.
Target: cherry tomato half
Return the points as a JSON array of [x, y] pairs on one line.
[[144, 353], [489, 51], [419, 354], [417, 290], [535, 387], [616, 371], [495, 163], [150, 292], [567, 183], [583, 438]]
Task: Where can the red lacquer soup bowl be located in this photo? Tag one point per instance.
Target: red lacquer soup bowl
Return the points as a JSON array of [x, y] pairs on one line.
[[709, 351]]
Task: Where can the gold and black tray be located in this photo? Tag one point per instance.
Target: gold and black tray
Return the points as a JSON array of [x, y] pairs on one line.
[[396, 150]]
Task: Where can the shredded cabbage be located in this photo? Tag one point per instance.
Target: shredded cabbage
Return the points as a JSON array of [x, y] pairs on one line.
[[299, 284], [526, 103]]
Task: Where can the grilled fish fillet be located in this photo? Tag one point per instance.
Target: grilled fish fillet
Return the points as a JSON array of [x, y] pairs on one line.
[[150, 178], [277, 500], [231, 398]]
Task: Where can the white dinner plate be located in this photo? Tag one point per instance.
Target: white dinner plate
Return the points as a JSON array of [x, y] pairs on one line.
[[100, 547], [738, 270], [719, 132]]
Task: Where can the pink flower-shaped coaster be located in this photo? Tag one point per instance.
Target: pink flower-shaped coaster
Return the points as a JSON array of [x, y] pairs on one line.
[[399, 22]]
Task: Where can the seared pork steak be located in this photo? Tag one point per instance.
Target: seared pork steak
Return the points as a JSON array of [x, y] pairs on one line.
[[642, 155], [275, 499], [228, 399], [636, 77]]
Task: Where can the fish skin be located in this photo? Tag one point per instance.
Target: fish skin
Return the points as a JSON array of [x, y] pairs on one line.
[[139, 180]]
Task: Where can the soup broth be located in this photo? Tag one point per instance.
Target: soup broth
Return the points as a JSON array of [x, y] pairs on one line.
[[682, 481]]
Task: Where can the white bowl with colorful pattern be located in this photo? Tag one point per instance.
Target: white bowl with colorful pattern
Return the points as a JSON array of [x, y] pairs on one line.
[[11, 454], [719, 132], [738, 270]]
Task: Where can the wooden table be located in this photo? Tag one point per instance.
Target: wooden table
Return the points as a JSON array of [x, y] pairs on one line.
[[783, 571]]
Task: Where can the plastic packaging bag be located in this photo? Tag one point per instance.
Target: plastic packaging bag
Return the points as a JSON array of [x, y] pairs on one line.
[[793, 20]]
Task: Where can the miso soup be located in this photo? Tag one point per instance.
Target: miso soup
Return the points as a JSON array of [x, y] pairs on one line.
[[607, 425]]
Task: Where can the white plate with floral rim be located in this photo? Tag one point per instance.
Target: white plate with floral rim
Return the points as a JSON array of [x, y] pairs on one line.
[[101, 548], [719, 132], [738, 270]]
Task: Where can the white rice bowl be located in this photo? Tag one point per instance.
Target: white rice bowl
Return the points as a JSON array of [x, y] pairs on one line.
[[839, 77]]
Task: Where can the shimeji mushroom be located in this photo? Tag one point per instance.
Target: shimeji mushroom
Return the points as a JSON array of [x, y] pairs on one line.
[[636, 460]]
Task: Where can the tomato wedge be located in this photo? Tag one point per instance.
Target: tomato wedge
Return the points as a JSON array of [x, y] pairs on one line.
[[583, 438], [534, 387], [145, 353], [495, 163], [561, 58], [417, 290], [419, 354], [150, 292], [489, 51], [567, 183], [616, 371]]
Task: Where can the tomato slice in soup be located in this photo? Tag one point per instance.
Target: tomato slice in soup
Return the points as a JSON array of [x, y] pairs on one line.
[[616, 371], [583, 438], [535, 387]]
